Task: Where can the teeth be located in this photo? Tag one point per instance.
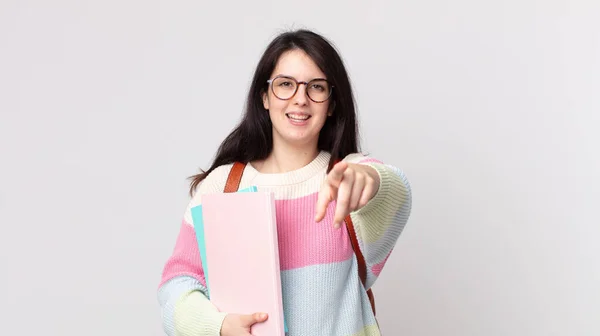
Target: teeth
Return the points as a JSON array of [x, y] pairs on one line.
[[297, 116]]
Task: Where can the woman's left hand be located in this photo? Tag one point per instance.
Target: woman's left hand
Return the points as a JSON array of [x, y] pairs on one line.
[[351, 185]]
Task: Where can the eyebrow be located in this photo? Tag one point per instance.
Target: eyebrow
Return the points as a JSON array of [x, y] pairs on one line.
[[290, 76]]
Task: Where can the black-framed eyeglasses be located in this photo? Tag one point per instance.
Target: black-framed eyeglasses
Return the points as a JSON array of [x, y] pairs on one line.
[[285, 87]]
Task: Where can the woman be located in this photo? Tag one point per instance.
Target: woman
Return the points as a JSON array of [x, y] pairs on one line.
[[298, 138]]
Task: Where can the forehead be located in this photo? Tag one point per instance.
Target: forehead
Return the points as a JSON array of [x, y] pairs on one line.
[[298, 64]]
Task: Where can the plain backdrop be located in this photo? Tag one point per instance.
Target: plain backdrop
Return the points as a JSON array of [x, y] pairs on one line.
[[490, 107]]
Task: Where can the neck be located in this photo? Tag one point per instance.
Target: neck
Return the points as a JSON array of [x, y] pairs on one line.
[[286, 158]]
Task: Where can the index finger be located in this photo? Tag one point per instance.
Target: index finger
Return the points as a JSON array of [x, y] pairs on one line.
[[337, 173]]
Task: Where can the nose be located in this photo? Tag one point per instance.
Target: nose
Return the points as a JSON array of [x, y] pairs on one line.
[[301, 97]]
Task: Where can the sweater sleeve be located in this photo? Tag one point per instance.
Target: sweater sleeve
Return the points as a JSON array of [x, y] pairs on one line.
[[380, 222], [182, 294]]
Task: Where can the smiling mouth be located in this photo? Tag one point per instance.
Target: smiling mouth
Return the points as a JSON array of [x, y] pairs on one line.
[[298, 117]]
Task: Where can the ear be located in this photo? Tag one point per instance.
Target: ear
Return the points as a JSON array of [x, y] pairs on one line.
[[265, 99]]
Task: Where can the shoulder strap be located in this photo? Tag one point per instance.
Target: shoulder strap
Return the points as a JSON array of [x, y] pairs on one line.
[[234, 178], [232, 185], [362, 266]]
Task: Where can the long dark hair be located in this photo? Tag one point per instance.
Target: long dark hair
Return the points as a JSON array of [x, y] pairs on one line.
[[252, 138]]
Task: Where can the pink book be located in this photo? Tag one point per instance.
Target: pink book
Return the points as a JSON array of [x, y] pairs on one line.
[[240, 238]]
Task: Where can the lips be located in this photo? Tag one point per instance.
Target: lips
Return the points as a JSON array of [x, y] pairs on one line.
[[298, 116]]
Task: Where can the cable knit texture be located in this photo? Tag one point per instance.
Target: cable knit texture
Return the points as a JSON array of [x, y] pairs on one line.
[[322, 292]]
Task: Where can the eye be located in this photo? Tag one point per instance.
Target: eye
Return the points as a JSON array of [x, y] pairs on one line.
[[318, 87], [286, 83]]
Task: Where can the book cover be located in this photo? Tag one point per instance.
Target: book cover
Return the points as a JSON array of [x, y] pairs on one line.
[[256, 241]]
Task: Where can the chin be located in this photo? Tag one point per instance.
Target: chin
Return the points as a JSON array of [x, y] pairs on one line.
[[300, 141]]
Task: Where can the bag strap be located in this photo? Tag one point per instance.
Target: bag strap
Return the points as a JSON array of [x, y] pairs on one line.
[[362, 265], [232, 185], [235, 177]]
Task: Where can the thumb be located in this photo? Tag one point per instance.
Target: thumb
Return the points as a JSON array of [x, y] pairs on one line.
[[249, 320]]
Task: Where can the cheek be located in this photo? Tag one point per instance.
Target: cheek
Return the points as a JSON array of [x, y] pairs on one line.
[[276, 110], [322, 110], [277, 105]]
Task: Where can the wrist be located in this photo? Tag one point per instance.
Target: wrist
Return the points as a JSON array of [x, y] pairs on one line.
[[195, 315]]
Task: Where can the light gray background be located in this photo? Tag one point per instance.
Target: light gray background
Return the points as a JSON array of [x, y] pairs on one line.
[[490, 107]]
